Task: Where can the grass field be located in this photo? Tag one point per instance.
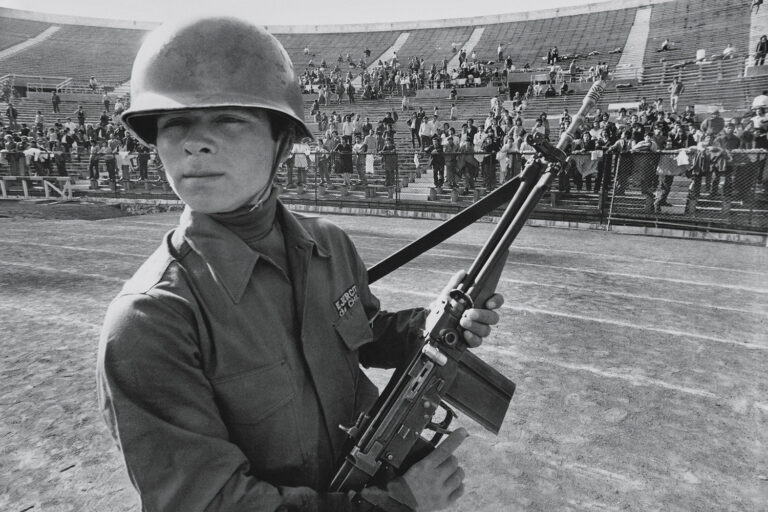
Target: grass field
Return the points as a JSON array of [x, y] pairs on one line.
[[640, 364]]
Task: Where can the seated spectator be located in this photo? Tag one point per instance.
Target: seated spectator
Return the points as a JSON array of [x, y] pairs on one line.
[[564, 89], [93, 83], [550, 92], [665, 46], [643, 105], [729, 51], [119, 108], [689, 116]]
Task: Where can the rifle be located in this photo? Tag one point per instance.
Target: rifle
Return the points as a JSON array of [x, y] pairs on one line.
[[444, 373]]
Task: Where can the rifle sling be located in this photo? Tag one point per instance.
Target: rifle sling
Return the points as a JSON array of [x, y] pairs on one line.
[[445, 230]]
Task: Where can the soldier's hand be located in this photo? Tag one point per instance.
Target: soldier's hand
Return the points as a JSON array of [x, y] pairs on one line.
[[477, 322], [437, 480]]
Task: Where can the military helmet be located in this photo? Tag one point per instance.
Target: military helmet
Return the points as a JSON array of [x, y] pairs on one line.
[[211, 62]]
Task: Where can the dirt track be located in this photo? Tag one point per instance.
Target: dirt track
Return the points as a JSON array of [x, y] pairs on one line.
[[640, 364]]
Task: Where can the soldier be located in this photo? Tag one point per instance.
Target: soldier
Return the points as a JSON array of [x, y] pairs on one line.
[[227, 363]]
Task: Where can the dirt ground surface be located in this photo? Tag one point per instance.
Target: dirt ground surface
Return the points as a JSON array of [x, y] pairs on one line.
[[640, 363]]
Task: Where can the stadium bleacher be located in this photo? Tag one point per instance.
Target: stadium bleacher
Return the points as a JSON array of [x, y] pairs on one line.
[[79, 51], [528, 41], [433, 45], [692, 25], [328, 47], [14, 31]]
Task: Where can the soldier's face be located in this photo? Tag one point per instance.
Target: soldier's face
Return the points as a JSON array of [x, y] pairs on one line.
[[216, 159]]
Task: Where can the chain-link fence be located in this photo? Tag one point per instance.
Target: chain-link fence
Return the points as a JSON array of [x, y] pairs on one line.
[[709, 188], [702, 186]]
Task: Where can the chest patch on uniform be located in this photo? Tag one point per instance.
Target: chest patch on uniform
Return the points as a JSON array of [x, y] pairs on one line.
[[347, 300]]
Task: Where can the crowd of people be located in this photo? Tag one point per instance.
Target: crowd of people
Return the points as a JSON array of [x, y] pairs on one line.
[[706, 145], [350, 79], [495, 147], [334, 85], [351, 145], [45, 147]]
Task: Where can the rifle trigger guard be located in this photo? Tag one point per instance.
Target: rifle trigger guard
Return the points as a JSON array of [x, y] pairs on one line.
[[441, 429]]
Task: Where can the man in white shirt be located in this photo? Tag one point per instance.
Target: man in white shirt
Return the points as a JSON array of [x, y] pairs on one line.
[[729, 51]]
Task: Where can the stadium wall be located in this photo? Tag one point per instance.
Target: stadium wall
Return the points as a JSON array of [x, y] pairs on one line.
[[358, 27]]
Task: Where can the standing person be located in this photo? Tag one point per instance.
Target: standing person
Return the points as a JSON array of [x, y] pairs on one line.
[[96, 153], [343, 151], [106, 101], [761, 50], [12, 114], [450, 152], [621, 148], [713, 125], [300, 152], [55, 102], [80, 113], [645, 159], [389, 162], [110, 157], [436, 161], [675, 89], [228, 361], [360, 149], [490, 145], [467, 163], [143, 159], [414, 123], [39, 122], [323, 163]]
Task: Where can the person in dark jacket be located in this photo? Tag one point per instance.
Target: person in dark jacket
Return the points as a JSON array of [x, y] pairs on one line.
[[436, 161]]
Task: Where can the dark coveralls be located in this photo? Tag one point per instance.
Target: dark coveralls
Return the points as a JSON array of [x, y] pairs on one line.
[[389, 163], [225, 379], [437, 163]]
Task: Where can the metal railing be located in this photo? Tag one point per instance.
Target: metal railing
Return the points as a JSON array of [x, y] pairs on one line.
[[696, 188]]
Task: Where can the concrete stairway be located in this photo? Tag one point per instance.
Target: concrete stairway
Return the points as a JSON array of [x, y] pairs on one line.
[[469, 45], [390, 52], [384, 57], [631, 62]]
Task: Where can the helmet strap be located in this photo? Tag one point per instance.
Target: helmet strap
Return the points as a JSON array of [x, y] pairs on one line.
[[283, 145]]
